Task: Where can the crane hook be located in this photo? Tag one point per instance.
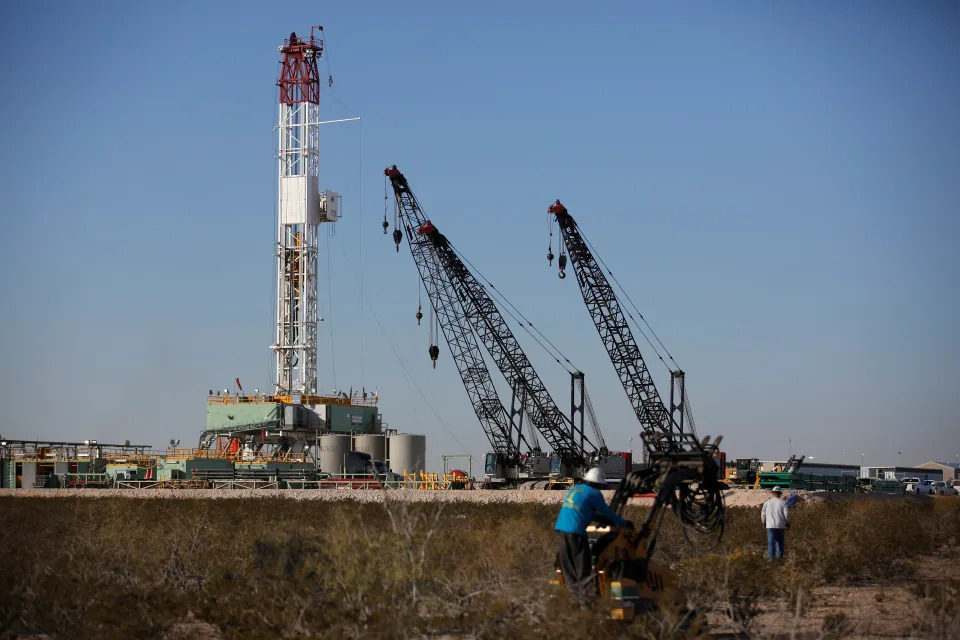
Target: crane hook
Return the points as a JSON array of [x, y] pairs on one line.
[[397, 237], [550, 243], [419, 314], [385, 225], [562, 263], [434, 354]]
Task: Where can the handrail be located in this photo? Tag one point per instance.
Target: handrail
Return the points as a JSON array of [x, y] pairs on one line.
[[356, 400], [259, 457], [184, 454], [120, 456]]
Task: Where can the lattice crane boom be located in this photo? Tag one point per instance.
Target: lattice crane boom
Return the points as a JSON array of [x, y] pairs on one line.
[[565, 437], [662, 432], [505, 435]]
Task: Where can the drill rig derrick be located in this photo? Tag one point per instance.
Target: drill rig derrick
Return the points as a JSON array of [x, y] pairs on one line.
[[503, 430], [566, 438]]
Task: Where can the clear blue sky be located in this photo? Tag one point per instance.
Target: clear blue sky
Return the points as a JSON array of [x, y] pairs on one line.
[[777, 185]]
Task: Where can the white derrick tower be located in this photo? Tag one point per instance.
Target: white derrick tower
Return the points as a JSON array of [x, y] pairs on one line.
[[301, 209]]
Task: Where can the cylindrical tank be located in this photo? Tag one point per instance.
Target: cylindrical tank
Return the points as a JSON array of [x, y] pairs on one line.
[[407, 452], [333, 450], [373, 443]]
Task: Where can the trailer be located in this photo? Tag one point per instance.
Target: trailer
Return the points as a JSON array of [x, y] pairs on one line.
[[808, 481]]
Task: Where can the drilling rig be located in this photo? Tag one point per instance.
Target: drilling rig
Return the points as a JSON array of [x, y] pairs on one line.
[[295, 415]]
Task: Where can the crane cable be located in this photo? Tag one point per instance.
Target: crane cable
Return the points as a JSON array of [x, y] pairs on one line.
[[592, 415], [687, 409], [326, 57], [525, 324], [627, 314], [359, 240], [531, 428], [634, 306], [385, 224], [403, 365], [333, 357], [522, 320]]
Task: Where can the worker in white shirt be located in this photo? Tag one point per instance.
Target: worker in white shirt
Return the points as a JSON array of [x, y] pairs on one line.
[[775, 516]]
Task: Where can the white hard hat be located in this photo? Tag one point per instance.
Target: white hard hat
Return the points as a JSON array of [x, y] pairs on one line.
[[596, 476], [776, 489]]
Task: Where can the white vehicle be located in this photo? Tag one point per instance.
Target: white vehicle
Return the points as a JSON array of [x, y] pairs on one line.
[[920, 487], [941, 488], [956, 485]]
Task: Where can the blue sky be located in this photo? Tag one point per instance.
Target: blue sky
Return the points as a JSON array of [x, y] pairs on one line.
[[776, 186]]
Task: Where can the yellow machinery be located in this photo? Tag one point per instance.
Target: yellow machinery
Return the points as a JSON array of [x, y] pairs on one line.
[[744, 473], [686, 483]]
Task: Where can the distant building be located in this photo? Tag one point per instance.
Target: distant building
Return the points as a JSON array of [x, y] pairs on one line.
[[890, 473], [951, 470]]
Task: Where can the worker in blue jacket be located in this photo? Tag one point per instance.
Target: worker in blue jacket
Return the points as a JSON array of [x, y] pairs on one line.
[[582, 505]]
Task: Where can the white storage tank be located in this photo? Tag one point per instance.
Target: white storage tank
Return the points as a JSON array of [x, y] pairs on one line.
[[333, 450], [373, 443], [407, 452]]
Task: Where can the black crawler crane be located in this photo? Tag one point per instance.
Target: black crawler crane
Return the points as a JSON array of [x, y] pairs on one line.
[[663, 428], [437, 259], [683, 472]]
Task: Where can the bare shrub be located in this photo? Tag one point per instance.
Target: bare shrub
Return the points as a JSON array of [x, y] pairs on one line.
[[938, 613], [836, 625], [413, 530], [730, 584], [119, 568]]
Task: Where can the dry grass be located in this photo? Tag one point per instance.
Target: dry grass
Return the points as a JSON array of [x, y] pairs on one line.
[[110, 568]]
